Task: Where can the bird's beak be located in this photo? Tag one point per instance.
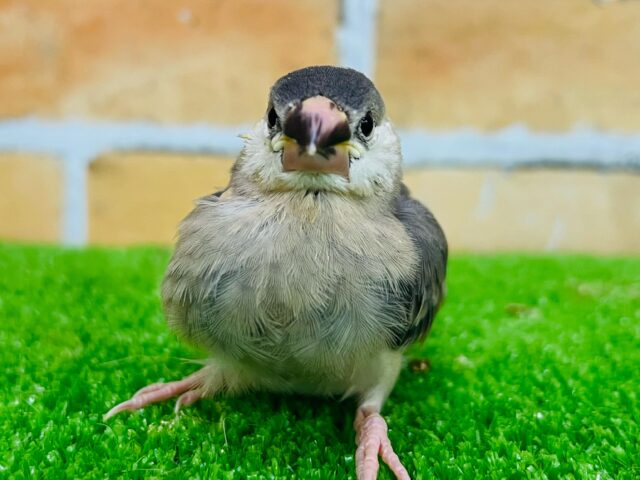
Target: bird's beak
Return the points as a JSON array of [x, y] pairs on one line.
[[316, 136]]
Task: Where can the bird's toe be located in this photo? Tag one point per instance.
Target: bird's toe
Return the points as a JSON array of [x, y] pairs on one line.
[[372, 440]]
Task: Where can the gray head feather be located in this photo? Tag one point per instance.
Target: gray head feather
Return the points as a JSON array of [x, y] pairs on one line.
[[350, 89]]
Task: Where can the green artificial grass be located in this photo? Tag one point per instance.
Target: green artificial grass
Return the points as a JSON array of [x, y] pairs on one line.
[[535, 370]]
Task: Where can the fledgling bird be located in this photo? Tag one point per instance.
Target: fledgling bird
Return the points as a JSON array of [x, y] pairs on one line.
[[314, 269]]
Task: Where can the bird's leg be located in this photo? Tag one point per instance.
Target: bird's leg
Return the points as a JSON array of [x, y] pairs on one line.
[[188, 390], [371, 429]]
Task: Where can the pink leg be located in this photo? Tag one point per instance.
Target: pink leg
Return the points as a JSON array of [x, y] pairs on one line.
[[372, 440], [190, 390]]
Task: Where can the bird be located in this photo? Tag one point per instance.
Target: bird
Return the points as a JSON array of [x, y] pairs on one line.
[[314, 269]]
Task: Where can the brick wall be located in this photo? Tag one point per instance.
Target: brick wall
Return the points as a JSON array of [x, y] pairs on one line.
[[520, 119], [490, 63]]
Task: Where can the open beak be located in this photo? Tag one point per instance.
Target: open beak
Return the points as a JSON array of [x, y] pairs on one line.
[[316, 133]]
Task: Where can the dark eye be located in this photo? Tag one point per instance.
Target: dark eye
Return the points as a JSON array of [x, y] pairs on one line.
[[272, 117], [367, 124]]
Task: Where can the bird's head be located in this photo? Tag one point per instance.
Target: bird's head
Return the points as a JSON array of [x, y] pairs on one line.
[[324, 130]]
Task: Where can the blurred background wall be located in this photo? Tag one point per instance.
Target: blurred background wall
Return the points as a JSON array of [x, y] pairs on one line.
[[520, 119]]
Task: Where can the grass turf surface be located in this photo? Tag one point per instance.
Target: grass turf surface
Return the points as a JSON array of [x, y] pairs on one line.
[[534, 374]]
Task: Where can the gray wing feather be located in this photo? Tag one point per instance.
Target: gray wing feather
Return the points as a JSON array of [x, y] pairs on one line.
[[421, 297]]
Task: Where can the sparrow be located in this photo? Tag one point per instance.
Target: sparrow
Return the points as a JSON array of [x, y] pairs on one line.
[[314, 269]]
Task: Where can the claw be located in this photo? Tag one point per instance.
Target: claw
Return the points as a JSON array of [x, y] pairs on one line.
[[189, 390], [372, 440], [188, 398]]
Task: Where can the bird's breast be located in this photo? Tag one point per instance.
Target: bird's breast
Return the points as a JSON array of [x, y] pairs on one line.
[[289, 286]]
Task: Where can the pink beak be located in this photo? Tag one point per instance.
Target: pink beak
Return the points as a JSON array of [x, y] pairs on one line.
[[318, 127]]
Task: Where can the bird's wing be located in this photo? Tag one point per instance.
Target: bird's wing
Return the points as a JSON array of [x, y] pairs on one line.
[[422, 296], [182, 280]]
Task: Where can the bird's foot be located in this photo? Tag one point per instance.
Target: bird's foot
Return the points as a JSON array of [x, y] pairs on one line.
[[372, 440], [188, 390]]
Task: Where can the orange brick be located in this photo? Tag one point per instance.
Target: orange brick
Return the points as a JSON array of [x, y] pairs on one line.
[[547, 63], [30, 198], [141, 197], [196, 60], [534, 210]]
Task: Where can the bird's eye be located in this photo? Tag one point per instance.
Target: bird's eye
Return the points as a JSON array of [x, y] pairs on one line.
[[367, 124], [272, 117]]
